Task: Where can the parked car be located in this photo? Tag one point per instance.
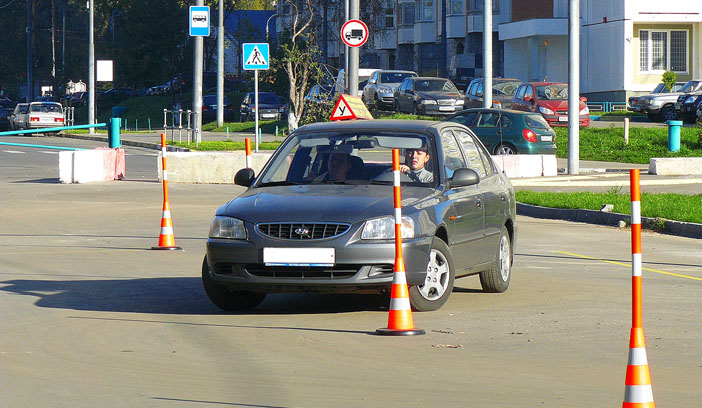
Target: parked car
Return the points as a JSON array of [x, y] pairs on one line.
[[209, 109], [503, 90], [18, 118], [44, 115], [687, 106], [428, 96], [78, 99], [5, 113], [157, 90], [322, 95], [660, 88], [363, 75], [114, 95], [270, 107], [661, 106], [506, 131], [294, 229], [379, 92], [550, 99]]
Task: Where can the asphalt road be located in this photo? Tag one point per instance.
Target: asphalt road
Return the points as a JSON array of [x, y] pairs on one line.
[[91, 317]]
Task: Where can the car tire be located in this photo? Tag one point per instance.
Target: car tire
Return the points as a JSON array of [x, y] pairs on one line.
[[441, 274], [228, 299], [669, 113], [505, 148], [496, 279]]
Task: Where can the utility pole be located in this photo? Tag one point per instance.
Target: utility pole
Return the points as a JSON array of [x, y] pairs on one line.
[[197, 81], [30, 83], [574, 87], [487, 54], [346, 49], [443, 53], [354, 14], [220, 65], [91, 68]]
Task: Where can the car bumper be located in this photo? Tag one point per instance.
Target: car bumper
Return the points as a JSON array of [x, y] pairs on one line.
[[562, 120], [359, 265], [43, 125], [687, 112], [439, 110]]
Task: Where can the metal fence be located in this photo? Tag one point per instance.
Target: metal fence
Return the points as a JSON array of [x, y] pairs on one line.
[[68, 115], [179, 117], [604, 107]]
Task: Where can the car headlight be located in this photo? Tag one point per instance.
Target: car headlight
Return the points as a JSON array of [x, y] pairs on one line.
[[429, 102], [654, 102], [385, 90], [459, 102], [227, 227], [384, 228], [281, 110], [584, 111], [691, 99], [546, 111]]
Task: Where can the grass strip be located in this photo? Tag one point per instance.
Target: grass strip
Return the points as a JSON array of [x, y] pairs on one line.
[[215, 145], [676, 207]]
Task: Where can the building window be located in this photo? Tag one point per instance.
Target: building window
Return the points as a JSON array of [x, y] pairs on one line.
[[389, 17], [406, 14], [476, 6], [663, 50], [456, 7], [426, 10]]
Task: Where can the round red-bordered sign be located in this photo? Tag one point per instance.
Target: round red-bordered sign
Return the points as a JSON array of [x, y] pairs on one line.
[[354, 33]]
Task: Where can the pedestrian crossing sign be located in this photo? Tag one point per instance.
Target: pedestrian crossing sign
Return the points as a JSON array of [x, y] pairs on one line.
[[255, 56]]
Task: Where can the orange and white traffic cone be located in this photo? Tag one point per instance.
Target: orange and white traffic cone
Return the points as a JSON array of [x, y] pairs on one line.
[[400, 317], [638, 392], [247, 145], [166, 240]]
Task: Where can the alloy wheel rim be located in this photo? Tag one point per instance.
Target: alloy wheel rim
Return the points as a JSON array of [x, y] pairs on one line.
[[505, 260], [437, 276]]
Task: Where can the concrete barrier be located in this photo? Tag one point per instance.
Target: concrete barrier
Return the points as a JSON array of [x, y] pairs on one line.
[[675, 166], [209, 167], [527, 165], [84, 166]]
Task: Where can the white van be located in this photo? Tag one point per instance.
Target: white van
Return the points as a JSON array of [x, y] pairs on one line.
[[363, 75]]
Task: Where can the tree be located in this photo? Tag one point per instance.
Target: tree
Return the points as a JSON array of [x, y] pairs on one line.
[[669, 79]]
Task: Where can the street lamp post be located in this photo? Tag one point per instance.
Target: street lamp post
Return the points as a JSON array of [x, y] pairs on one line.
[[268, 21]]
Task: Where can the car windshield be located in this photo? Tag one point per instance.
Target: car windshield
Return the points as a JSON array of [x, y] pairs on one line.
[[345, 158], [505, 88], [434, 85], [266, 98], [45, 107], [552, 92], [660, 88], [393, 77], [690, 86], [212, 100]]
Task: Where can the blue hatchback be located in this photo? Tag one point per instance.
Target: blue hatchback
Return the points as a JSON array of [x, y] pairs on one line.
[[506, 131]]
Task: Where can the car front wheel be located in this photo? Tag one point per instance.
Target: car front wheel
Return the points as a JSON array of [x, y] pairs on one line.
[[669, 113], [497, 278], [438, 284], [228, 299], [505, 149]]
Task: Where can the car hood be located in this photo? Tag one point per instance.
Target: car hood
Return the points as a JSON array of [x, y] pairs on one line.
[[438, 95], [666, 95], [323, 203]]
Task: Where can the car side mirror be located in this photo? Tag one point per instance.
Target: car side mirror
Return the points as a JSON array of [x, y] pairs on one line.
[[371, 81], [464, 177], [584, 99], [244, 177], [528, 98]]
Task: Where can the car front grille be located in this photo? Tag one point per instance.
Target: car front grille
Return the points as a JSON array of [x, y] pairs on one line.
[[302, 231], [562, 113], [303, 272], [446, 102]]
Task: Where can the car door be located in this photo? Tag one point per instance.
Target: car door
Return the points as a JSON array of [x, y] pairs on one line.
[[486, 128], [517, 101], [402, 95], [489, 188], [467, 237], [369, 89]]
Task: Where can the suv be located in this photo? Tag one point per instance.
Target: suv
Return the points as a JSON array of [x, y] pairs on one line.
[[379, 91], [660, 88], [503, 90], [661, 106], [688, 105]]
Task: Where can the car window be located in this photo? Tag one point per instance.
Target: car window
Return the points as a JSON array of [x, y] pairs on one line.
[[268, 98], [504, 88], [520, 92], [467, 118], [435, 85], [453, 159], [472, 88], [505, 121], [536, 122], [490, 168], [479, 89], [475, 162], [528, 92], [552, 92], [488, 119]]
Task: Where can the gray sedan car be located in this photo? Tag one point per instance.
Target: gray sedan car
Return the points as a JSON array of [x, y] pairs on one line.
[[320, 216]]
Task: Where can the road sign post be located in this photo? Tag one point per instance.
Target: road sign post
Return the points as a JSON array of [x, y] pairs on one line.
[[256, 56], [199, 23]]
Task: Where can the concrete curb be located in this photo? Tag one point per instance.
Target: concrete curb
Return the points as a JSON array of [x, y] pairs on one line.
[[683, 229]]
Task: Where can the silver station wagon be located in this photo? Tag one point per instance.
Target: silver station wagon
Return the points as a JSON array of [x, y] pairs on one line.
[[320, 216]]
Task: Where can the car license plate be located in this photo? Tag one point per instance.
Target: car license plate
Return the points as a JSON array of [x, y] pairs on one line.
[[268, 115], [562, 118], [446, 108], [299, 256], [546, 138]]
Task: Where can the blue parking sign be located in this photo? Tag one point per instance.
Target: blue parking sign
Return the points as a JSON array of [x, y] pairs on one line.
[[255, 56]]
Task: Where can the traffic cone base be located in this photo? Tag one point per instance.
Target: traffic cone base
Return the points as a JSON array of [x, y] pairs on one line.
[[393, 332]]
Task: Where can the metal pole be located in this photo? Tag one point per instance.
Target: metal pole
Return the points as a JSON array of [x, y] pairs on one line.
[[444, 41], [30, 87], [91, 67], [220, 65], [574, 87], [256, 104], [197, 82], [346, 48], [487, 54], [354, 13]]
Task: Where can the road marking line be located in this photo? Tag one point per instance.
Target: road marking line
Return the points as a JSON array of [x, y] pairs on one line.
[[14, 151], [628, 265]]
